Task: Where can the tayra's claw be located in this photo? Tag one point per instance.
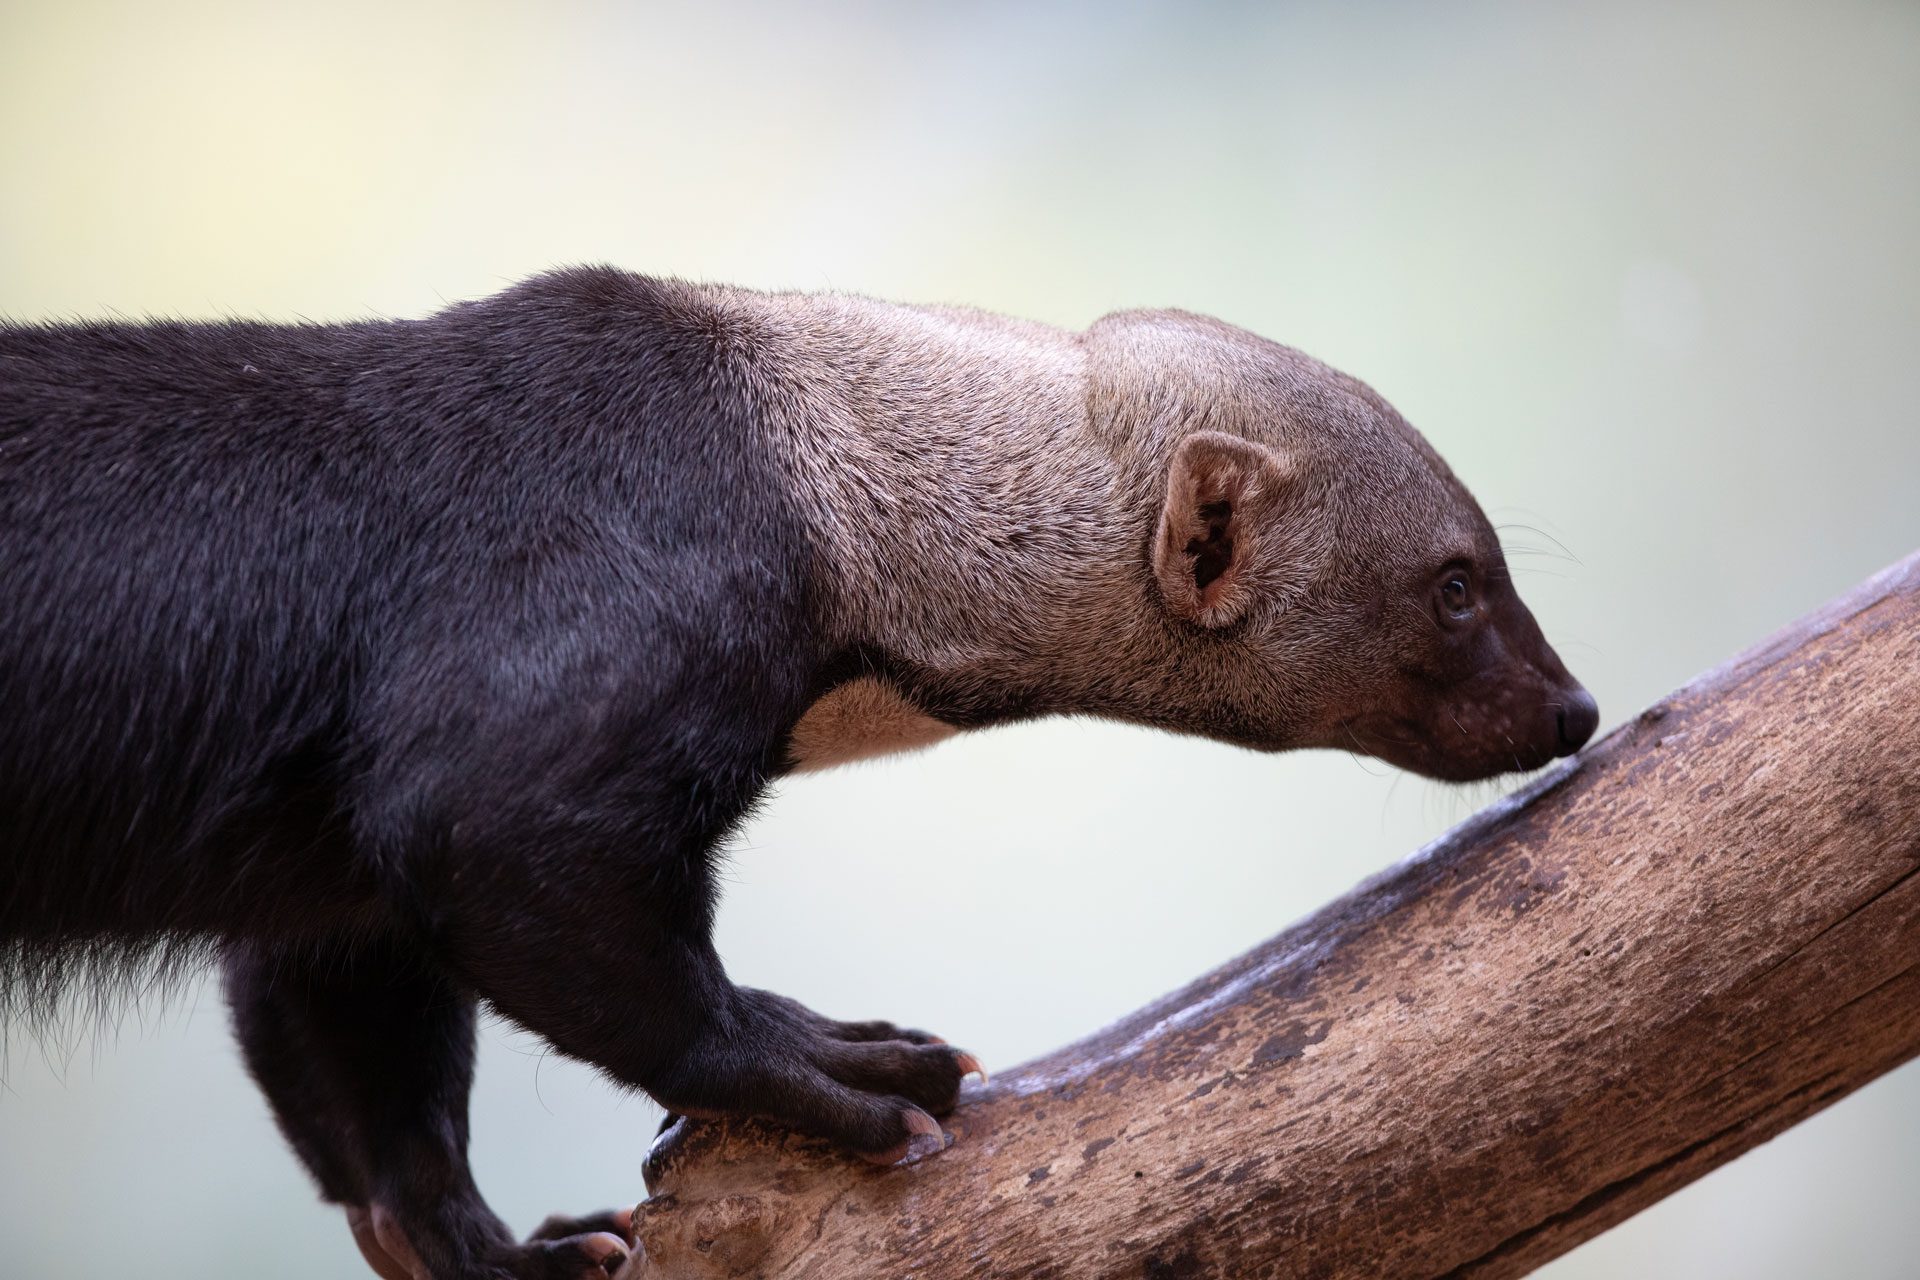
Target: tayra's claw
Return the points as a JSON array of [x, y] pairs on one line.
[[608, 1251], [970, 1066], [924, 1138], [928, 1137]]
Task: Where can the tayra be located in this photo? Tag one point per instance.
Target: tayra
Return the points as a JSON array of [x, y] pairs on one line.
[[411, 665]]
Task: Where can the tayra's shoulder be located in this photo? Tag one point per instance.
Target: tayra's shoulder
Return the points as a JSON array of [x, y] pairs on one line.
[[603, 304], [600, 290], [590, 285]]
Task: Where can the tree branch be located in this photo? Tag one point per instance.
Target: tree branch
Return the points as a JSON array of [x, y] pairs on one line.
[[1702, 931]]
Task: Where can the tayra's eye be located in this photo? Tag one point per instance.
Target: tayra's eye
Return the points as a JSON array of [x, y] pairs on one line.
[[1456, 594]]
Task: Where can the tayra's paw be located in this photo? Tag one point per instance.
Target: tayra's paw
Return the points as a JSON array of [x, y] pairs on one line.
[[870, 1087], [592, 1248], [589, 1248]]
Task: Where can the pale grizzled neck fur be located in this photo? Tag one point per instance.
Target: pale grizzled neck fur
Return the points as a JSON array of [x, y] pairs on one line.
[[973, 527]]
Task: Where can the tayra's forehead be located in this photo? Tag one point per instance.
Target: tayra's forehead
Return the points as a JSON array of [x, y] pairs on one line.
[[1390, 494]]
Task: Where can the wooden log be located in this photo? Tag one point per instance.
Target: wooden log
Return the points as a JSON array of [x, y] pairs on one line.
[[1659, 954]]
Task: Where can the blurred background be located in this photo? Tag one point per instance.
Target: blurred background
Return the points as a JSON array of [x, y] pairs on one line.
[[1648, 276]]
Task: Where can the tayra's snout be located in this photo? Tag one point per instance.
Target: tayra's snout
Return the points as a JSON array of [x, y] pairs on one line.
[[1578, 717]]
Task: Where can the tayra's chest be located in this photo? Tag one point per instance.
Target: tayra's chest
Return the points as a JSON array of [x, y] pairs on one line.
[[857, 720]]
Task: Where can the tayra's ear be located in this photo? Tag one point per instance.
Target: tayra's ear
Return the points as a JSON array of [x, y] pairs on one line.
[[1221, 534]]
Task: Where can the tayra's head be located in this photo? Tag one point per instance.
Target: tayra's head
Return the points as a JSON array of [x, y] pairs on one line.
[[1320, 576]]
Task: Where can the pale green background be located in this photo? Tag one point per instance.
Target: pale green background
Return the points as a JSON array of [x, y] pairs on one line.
[[1647, 276]]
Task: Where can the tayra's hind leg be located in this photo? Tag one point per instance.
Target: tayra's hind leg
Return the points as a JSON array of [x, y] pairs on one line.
[[367, 1057]]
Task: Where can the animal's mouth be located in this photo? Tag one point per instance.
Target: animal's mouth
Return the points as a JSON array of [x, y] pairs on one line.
[[1381, 735], [1393, 739], [1409, 745]]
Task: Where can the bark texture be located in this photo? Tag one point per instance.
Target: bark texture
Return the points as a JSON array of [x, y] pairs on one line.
[[1660, 954]]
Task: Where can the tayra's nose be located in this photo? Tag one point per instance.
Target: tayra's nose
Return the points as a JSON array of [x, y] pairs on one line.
[[1579, 717]]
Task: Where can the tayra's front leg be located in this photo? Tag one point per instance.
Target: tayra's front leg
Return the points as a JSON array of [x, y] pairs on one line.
[[366, 1053], [607, 957], [871, 1087]]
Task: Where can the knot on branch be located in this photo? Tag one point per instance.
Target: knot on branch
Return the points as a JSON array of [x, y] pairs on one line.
[[724, 1195]]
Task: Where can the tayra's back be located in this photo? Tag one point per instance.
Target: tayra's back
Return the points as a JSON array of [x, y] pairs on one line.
[[219, 543], [180, 569]]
